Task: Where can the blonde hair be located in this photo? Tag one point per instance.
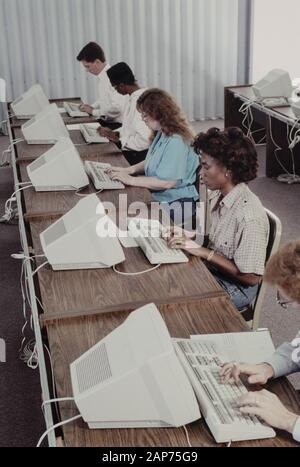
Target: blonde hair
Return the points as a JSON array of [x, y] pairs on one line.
[[283, 270], [162, 107]]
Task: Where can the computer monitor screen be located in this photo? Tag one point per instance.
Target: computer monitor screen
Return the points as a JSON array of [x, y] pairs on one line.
[[277, 83], [78, 240], [46, 127], [59, 168], [133, 378], [30, 103]]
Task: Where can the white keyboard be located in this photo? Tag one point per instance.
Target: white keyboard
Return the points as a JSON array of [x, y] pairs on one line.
[[100, 179], [147, 234], [90, 133], [218, 401], [73, 110]]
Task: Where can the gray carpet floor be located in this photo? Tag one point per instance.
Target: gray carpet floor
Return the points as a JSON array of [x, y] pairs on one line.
[[21, 420]]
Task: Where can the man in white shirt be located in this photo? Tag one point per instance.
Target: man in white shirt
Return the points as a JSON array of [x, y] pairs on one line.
[[134, 136], [109, 106]]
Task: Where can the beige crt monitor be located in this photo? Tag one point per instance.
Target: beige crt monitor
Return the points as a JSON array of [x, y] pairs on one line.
[[59, 168], [277, 83], [30, 103], [133, 378], [46, 127], [80, 240]]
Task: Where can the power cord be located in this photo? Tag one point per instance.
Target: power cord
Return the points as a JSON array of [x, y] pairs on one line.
[[56, 426], [57, 399], [9, 211], [82, 194], [286, 177], [187, 436], [4, 160], [26, 352], [136, 273], [245, 109]]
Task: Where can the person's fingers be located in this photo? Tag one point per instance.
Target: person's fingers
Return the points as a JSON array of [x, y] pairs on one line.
[[252, 410], [250, 398], [227, 371], [226, 367], [175, 242], [236, 371]]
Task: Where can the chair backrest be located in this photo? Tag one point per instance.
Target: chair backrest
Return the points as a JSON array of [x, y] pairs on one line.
[[272, 247]]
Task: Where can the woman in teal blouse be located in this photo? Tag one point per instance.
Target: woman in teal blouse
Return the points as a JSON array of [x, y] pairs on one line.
[[169, 170]]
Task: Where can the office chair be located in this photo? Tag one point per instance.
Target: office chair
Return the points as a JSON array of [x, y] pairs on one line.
[[252, 313]]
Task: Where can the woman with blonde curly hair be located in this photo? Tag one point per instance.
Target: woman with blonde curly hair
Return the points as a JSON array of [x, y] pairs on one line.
[[283, 272], [169, 170]]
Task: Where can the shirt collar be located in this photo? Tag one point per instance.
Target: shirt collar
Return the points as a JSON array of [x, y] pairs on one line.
[[233, 195], [104, 70]]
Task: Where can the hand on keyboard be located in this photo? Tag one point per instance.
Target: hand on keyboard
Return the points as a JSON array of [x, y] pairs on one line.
[[175, 231], [116, 170], [258, 374], [108, 133], [121, 175], [183, 242], [268, 408], [86, 108]]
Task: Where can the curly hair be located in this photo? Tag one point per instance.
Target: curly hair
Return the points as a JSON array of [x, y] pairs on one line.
[[231, 149], [283, 270], [161, 106]]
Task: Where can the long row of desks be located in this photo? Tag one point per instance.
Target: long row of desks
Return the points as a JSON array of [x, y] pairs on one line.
[[81, 307]]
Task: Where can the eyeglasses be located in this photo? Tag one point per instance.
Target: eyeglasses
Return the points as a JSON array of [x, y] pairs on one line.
[[284, 303]]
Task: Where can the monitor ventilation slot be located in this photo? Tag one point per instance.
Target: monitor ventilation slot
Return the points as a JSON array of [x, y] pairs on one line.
[[93, 369]]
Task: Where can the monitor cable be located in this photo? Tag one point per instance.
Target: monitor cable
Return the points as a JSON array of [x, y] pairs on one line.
[[136, 273]]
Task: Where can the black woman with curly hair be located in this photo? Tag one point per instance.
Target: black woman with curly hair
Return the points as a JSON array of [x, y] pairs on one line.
[[239, 225]]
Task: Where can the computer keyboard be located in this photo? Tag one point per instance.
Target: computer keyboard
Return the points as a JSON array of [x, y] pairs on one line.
[[100, 179], [73, 110], [218, 401], [90, 133], [147, 234]]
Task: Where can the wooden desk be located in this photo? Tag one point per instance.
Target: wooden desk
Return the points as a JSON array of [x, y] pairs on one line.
[[67, 294], [45, 204], [273, 121], [81, 307], [17, 123], [29, 152], [69, 339]]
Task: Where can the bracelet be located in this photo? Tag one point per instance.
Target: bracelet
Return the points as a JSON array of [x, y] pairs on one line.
[[210, 255]]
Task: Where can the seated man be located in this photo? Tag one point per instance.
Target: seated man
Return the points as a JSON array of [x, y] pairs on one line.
[[109, 106], [134, 135]]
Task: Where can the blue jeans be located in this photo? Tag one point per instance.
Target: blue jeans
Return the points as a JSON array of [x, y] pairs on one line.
[[241, 295]]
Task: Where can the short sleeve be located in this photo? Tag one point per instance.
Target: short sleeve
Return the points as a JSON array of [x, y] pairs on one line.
[[250, 253], [172, 165]]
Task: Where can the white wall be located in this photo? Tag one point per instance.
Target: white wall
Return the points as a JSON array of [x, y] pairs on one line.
[[276, 37], [188, 47]]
